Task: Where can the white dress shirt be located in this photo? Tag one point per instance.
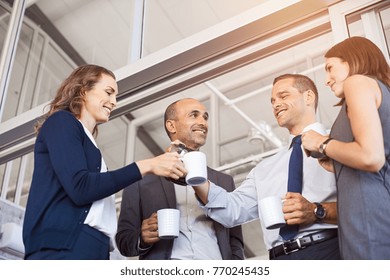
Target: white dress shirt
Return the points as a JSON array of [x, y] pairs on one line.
[[269, 178]]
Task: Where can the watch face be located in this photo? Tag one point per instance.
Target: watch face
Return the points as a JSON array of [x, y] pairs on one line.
[[320, 212]]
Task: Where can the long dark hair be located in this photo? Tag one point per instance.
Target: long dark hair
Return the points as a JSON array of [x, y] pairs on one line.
[[70, 94]]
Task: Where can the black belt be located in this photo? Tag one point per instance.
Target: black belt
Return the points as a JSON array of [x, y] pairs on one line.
[[301, 243]]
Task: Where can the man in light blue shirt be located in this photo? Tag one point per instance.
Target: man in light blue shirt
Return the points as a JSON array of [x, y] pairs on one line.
[[294, 101]]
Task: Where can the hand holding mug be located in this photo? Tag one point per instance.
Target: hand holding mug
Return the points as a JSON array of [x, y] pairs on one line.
[[271, 212], [168, 220], [195, 163]]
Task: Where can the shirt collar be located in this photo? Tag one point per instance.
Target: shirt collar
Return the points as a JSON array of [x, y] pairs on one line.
[[319, 127]]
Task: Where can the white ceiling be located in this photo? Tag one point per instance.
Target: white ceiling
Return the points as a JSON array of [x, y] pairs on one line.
[[104, 27]]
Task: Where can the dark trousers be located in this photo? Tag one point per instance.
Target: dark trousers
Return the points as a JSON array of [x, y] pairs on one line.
[[91, 245], [327, 250]]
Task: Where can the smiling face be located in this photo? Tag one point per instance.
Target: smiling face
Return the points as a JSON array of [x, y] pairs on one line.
[[336, 73], [99, 102], [190, 124], [292, 109]]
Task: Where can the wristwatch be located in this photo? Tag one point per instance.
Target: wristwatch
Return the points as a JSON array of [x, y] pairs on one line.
[[319, 212], [323, 146]]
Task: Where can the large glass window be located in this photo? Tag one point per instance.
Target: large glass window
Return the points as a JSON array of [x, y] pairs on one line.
[[39, 66], [54, 67], [385, 18], [181, 19], [15, 179], [14, 97], [4, 20], [378, 14]]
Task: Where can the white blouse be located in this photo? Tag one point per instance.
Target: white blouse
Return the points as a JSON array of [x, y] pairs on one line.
[[102, 215]]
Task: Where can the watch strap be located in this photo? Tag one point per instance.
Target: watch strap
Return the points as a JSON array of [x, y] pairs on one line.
[[322, 149]]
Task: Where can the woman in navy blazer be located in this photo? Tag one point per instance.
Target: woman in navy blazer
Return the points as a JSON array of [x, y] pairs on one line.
[[70, 212]]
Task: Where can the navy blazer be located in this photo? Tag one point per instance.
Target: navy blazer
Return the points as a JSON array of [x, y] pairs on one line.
[[66, 180], [152, 193]]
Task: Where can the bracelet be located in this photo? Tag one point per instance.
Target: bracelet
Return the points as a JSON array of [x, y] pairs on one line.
[[322, 148]]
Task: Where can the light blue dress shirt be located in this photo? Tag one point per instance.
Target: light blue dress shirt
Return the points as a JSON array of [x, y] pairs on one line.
[[197, 239]]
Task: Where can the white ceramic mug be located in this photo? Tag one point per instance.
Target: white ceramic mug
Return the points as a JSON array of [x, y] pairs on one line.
[[271, 212], [168, 222], [196, 164]]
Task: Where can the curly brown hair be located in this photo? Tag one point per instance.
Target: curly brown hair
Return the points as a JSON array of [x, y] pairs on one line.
[[70, 94]]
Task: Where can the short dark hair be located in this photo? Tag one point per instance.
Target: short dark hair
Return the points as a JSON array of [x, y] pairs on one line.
[[302, 83], [170, 114]]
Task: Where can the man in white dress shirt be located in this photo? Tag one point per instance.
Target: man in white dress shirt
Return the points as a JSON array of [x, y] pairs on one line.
[[294, 101]]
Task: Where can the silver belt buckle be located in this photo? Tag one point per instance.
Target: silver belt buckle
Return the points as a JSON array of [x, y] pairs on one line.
[[289, 250]]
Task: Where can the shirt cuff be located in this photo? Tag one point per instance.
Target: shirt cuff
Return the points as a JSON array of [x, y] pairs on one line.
[[143, 248]]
